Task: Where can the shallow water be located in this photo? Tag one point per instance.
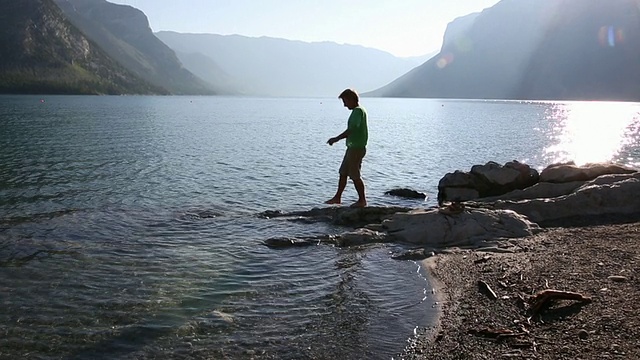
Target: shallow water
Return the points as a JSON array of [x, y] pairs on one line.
[[128, 225]]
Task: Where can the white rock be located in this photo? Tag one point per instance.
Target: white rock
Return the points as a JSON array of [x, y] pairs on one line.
[[472, 227]]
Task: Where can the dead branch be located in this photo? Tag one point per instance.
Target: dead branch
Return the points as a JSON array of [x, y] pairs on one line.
[[543, 298]]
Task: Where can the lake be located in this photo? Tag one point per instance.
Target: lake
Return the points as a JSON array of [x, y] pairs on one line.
[[129, 227]]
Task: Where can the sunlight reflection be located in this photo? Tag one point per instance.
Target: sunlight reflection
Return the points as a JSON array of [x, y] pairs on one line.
[[591, 132]]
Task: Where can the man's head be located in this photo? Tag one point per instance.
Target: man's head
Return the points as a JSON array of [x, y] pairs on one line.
[[349, 98]]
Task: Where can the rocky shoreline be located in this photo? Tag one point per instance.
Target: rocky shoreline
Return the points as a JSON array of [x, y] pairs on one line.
[[599, 262], [525, 265]]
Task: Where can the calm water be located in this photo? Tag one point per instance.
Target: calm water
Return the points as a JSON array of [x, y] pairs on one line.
[[128, 225]]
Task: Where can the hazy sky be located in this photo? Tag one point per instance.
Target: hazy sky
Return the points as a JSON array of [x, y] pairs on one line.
[[401, 27]]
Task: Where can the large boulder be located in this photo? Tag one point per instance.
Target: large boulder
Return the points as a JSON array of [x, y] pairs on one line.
[[472, 227], [490, 179], [562, 173], [606, 195]]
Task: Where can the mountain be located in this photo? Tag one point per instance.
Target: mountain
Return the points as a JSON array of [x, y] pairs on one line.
[[279, 67], [123, 32], [208, 70], [41, 52], [534, 49]]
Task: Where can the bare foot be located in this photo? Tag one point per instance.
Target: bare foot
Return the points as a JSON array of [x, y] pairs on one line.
[[359, 204], [333, 201]]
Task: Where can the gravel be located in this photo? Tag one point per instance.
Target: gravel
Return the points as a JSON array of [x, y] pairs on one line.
[[599, 262]]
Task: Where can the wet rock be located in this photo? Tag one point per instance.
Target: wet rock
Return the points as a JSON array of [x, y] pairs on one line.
[[406, 193], [228, 318], [414, 254], [268, 214], [200, 215], [360, 237], [346, 216], [286, 242]]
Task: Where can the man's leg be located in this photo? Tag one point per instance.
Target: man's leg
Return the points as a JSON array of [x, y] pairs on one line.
[[362, 200], [356, 164], [342, 182], [337, 198]]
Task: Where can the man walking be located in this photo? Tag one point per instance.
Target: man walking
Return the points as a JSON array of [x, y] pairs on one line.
[[356, 137]]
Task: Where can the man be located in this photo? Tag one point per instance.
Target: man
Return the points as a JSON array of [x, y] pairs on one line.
[[357, 136]]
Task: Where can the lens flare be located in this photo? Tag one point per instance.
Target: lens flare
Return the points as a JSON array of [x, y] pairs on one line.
[[445, 60], [610, 36]]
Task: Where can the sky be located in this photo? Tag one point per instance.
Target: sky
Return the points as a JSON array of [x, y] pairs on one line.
[[401, 27]]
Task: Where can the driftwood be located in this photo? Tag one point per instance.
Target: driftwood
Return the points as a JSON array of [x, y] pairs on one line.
[[482, 260], [486, 289], [543, 298], [497, 334], [493, 333]]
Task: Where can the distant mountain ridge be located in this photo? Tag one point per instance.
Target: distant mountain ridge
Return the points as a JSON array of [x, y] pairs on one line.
[[517, 49], [41, 52], [534, 49], [280, 67]]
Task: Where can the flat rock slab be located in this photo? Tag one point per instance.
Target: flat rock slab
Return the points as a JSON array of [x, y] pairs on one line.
[[471, 227], [339, 215]]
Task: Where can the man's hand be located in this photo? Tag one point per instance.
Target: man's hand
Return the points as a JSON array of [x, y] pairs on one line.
[[334, 140]]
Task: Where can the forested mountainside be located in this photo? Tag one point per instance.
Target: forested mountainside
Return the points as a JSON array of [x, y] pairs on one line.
[[123, 32], [42, 52]]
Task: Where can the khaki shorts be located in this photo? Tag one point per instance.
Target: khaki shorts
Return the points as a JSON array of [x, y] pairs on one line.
[[352, 163]]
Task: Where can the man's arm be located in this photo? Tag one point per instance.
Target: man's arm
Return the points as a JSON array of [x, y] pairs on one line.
[[334, 140]]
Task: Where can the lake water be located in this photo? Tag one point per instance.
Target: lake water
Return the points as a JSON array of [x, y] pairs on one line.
[[129, 228]]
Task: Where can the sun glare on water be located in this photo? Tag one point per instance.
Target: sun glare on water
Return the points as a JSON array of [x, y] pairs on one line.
[[593, 132]]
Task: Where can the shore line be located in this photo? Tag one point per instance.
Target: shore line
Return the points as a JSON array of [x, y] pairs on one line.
[[599, 262]]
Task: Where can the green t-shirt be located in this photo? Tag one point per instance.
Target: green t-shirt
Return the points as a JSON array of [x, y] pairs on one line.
[[357, 125]]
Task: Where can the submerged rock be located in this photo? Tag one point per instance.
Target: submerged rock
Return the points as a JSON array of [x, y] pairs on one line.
[[346, 216], [360, 237], [287, 242], [406, 193]]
